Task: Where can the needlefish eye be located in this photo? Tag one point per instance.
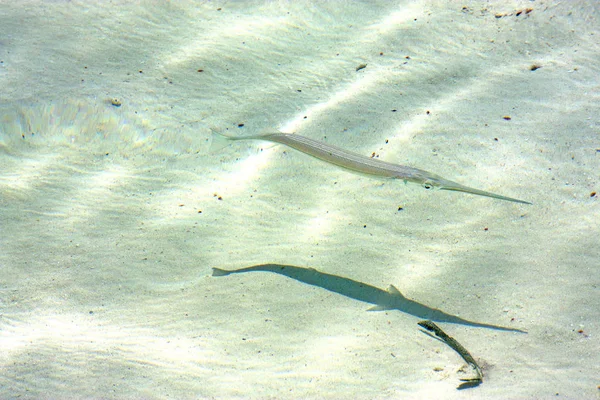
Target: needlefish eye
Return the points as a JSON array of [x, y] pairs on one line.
[[428, 184]]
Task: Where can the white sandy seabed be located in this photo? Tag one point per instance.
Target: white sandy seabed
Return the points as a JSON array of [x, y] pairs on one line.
[[113, 212]]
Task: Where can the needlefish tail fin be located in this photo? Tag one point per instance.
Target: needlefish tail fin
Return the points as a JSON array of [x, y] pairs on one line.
[[457, 187], [218, 141], [220, 272]]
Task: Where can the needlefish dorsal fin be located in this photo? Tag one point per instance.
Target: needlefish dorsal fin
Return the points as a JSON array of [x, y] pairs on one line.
[[392, 291]]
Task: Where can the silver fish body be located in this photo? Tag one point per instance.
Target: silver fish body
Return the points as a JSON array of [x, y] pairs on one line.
[[367, 165]]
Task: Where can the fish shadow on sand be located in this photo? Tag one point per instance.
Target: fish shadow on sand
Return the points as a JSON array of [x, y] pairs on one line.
[[390, 299]]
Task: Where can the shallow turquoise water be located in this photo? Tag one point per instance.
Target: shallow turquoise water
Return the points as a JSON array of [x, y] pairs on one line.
[[113, 217]]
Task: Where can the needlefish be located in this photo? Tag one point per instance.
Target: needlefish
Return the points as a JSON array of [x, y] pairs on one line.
[[364, 165]]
